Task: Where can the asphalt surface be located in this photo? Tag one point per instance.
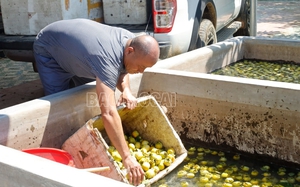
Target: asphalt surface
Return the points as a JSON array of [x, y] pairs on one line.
[[275, 19]]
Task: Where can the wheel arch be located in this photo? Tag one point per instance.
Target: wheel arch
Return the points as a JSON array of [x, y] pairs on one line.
[[205, 10]]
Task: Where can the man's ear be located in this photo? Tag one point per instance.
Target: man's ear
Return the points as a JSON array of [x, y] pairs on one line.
[[129, 50]]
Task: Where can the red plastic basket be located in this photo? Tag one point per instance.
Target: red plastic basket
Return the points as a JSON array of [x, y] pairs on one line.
[[53, 154]]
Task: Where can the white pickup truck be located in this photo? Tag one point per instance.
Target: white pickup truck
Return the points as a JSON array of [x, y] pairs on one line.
[[178, 25]]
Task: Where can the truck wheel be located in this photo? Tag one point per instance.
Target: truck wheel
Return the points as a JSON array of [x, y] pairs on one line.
[[244, 17], [207, 33]]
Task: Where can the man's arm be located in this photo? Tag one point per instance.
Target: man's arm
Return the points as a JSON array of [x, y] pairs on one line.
[[114, 129], [126, 96]]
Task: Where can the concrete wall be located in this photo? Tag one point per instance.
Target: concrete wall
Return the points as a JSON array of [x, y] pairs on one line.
[[247, 115]]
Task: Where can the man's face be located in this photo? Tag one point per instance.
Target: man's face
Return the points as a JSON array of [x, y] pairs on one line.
[[136, 63]]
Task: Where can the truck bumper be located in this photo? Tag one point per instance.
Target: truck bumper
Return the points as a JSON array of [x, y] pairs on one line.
[[17, 48], [165, 50], [16, 42]]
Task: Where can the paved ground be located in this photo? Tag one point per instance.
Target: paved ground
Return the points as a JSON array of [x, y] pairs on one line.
[[275, 19], [278, 19]]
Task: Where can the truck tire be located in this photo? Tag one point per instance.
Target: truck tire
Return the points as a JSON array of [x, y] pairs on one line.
[[244, 17], [207, 33]]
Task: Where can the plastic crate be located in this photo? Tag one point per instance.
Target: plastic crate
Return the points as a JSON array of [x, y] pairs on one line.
[[89, 145]]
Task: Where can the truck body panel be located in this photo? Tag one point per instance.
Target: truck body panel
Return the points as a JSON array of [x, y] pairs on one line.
[[23, 19], [28, 17]]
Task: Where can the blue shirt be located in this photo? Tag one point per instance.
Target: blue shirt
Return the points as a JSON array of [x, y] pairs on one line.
[[85, 48]]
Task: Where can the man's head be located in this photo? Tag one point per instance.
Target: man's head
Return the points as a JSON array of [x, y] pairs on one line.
[[140, 53]]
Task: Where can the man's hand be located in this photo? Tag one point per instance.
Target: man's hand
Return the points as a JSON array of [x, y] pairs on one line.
[[135, 172], [127, 98], [113, 127]]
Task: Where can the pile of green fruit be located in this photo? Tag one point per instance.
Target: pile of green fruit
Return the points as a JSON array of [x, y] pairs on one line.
[[210, 168], [263, 70], [153, 157]]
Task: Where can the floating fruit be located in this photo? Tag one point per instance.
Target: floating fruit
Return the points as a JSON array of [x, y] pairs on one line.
[[236, 184], [274, 71], [227, 185], [184, 184], [236, 157], [229, 180], [203, 172], [204, 179], [163, 185], [234, 168], [145, 142], [254, 181], [209, 175], [221, 154], [190, 175], [212, 169], [227, 172], [224, 175], [181, 173], [298, 178], [265, 168], [239, 177], [196, 166], [193, 171], [214, 152], [216, 176], [220, 167], [135, 133], [246, 177], [291, 180], [254, 173], [137, 145], [247, 184], [266, 174], [281, 171], [245, 168], [191, 152], [158, 145], [131, 139], [223, 159], [208, 184]]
